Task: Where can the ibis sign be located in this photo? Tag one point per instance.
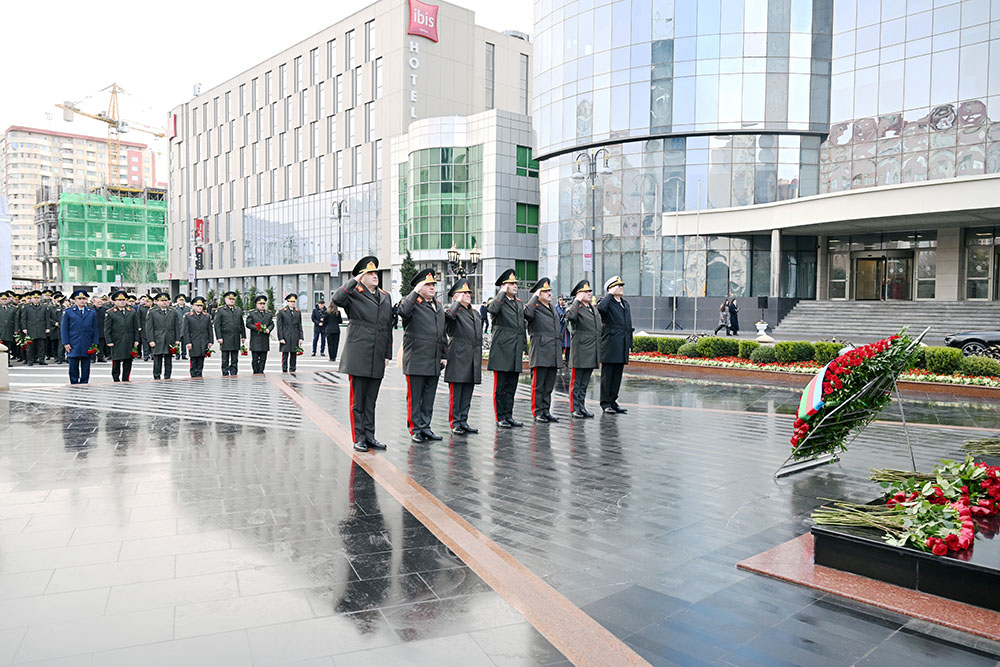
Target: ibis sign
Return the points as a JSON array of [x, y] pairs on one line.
[[423, 20]]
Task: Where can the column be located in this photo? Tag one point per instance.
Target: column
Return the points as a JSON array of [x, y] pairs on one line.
[[775, 262], [949, 281], [822, 270]]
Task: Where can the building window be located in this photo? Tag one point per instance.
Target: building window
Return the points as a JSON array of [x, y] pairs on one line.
[[305, 187], [526, 166], [321, 99], [320, 173], [357, 87], [303, 106], [351, 138], [331, 134], [527, 219], [349, 58], [369, 41], [314, 66], [524, 84], [331, 58], [526, 271], [314, 138], [297, 72], [370, 120], [255, 93], [358, 174], [490, 73], [338, 94], [378, 159], [283, 79], [267, 87], [229, 104], [377, 76], [298, 145], [340, 170]]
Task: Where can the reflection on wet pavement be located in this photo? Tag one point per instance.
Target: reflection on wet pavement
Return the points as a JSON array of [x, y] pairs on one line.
[[212, 523]]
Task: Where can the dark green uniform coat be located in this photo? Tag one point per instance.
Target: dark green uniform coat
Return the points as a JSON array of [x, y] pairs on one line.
[[142, 312], [424, 341], [121, 329], [198, 333], [507, 347], [260, 342], [546, 334], [369, 329], [8, 318], [228, 323], [162, 328], [289, 329], [55, 318], [36, 319], [585, 325], [464, 329]]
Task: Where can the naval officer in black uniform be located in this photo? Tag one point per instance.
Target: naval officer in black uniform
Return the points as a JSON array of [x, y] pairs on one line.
[[545, 351], [464, 371], [368, 347], [423, 353], [585, 325], [507, 348], [616, 343]]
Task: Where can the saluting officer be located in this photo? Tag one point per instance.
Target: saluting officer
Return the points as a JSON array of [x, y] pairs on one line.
[[616, 342], [8, 317], [162, 331], [36, 323], [423, 353], [121, 331], [260, 337], [463, 326], [545, 351], [507, 347], [289, 332], [197, 335], [228, 322], [368, 347], [585, 327]]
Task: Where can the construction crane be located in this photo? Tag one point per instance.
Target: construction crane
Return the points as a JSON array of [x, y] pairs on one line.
[[116, 127]]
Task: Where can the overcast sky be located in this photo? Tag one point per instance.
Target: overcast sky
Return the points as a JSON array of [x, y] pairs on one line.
[[71, 49]]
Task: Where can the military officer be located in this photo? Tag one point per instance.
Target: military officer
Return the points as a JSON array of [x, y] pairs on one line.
[[197, 335], [260, 336], [162, 330], [545, 351], [121, 331], [35, 323], [8, 317], [507, 348], [142, 310], [289, 332], [616, 342], [585, 328], [101, 309], [54, 345], [78, 330], [182, 309], [423, 353], [229, 332], [367, 348], [464, 371]]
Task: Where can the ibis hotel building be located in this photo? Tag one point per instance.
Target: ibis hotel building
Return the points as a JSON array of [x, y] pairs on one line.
[[795, 149], [401, 128]]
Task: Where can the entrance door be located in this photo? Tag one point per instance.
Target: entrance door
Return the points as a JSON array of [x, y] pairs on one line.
[[868, 279], [898, 271]]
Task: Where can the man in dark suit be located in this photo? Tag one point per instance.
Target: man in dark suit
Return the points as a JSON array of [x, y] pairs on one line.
[[162, 332], [79, 333], [545, 351], [182, 309], [423, 353], [260, 322], [101, 308], [55, 347], [228, 323], [367, 347], [616, 343], [319, 326], [122, 333], [507, 348], [465, 356], [198, 335], [289, 332], [142, 311], [585, 327]]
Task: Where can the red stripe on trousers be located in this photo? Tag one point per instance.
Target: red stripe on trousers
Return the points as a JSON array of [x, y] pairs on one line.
[[451, 404], [496, 381], [534, 385], [572, 387], [354, 433], [409, 405]]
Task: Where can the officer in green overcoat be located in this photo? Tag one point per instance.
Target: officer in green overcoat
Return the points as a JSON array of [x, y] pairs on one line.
[[260, 323], [162, 331], [545, 352], [121, 331], [464, 329], [229, 333], [585, 328], [423, 353], [507, 347]]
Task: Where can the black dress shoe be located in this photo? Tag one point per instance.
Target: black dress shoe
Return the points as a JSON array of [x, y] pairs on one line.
[[361, 446], [548, 415], [431, 435], [541, 419], [418, 436], [469, 429], [579, 414], [503, 423], [610, 411], [620, 411], [375, 444], [587, 412], [514, 422], [458, 429], [41, 363]]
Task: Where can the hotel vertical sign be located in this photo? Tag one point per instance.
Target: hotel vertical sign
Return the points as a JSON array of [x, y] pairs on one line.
[[423, 23]]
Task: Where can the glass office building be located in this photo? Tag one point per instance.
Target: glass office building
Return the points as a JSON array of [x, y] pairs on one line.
[[731, 129]]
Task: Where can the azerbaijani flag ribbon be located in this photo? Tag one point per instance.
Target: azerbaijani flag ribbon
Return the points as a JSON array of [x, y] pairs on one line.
[[812, 396]]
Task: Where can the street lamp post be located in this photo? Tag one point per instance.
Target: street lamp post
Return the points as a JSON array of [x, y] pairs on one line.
[[339, 211], [591, 175], [457, 267]]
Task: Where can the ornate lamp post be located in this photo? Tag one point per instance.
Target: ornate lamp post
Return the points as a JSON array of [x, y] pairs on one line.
[[457, 267], [591, 174], [338, 211]]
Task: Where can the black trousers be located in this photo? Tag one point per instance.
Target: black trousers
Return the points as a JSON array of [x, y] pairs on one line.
[[197, 366], [580, 380], [504, 387], [459, 400], [146, 349], [288, 360], [162, 362], [333, 344], [543, 381], [56, 350], [257, 361], [35, 352], [319, 337], [364, 393], [229, 363], [79, 369], [420, 391], [611, 382], [102, 350], [121, 369]]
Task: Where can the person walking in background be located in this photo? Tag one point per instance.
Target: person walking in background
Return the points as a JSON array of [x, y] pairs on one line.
[[585, 326], [78, 330], [484, 316], [564, 330], [289, 332], [734, 317], [162, 331], [723, 317], [616, 343], [260, 322], [319, 326], [197, 335], [332, 325], [465, 356], [121, 330]]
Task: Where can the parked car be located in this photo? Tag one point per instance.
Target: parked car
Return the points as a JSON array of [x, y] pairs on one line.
[[973, 342]]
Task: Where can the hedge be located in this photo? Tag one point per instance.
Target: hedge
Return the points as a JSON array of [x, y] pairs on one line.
[[746, 348], [919, 360], [763, 355], [789, 351], [713, 347], [942, 360], [688, 350], [824, 353], [644, 344], [983, 366], [668, 345]]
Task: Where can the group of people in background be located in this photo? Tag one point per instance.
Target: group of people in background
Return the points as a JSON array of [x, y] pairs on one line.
[[729, 318]]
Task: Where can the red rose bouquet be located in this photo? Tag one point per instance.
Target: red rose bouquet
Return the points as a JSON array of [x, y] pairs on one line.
[[92, 350], [22, 340], [243, 350], [135, 351], [299, 351], [259, 326], [175, 348], [209, 351]]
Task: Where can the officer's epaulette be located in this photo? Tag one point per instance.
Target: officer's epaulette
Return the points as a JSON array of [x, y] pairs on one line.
[[420, 300], [382, 290], [518, 298], [361, 288]]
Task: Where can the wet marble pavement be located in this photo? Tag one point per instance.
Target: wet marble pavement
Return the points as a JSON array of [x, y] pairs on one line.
[[213, 523]]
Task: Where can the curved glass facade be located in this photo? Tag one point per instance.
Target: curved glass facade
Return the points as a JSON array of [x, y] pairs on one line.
[[441, 198]]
